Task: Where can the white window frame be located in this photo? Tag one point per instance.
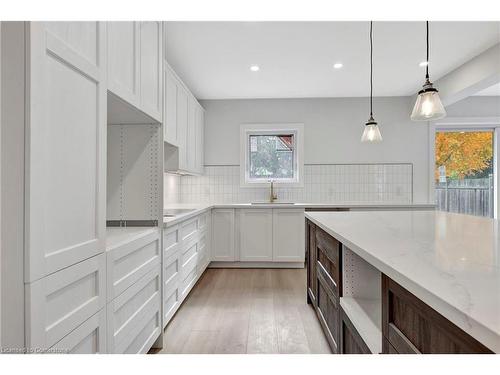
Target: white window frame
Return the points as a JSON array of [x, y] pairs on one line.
[[246, 130], [464, 124]]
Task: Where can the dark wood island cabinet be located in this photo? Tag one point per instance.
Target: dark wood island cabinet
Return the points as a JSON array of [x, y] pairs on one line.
[[406, 324]]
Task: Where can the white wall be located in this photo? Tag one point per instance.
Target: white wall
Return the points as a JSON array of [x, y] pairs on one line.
[[333, 128]]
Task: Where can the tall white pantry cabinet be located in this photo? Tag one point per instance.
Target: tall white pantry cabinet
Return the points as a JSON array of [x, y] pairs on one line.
[[61, 126], [58, 112]]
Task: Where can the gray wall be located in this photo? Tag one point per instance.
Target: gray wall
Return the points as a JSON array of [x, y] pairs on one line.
[[333, 128], [475, 106]]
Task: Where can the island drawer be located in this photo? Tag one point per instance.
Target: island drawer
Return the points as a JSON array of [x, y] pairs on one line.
[[327, 309], [411, 326], [327, 257]]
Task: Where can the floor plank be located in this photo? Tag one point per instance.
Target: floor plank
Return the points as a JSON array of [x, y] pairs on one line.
[[246, 311]]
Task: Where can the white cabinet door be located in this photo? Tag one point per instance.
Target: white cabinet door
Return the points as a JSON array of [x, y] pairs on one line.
[[170, 124], [200, 133], [151, 68], [256, 235], [191, 135], [222, 235], [123, 56], [288, 235], [65, 171], [182, 125]]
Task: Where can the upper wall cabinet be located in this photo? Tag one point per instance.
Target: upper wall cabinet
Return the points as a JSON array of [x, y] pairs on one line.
[[183, 127], [135, 51]]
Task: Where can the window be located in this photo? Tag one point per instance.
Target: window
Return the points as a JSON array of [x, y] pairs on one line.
[[464, 171], [271, 152]]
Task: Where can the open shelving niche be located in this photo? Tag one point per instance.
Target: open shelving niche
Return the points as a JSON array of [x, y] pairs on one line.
[[362, 298]]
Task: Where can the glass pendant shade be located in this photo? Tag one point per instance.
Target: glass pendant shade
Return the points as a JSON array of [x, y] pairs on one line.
[[371, 132], [428, 106]]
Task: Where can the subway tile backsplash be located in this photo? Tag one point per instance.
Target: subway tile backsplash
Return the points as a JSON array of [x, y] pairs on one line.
[[325, 183]]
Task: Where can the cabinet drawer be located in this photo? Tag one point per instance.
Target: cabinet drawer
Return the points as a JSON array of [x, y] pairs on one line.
[[171, 302], [59, 303], [188, 282], [327, 257], [171, 283], [88, 338], [189, 230], [203, 221], [328, 312], [128, 263], [171, 241], [411, 326], [311, 261], [134, 316], [171, 271]]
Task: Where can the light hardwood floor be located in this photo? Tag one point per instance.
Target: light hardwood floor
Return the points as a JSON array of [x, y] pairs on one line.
[[246, 311]]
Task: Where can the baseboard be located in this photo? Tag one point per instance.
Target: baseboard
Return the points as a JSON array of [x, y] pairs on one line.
[[256, 265]]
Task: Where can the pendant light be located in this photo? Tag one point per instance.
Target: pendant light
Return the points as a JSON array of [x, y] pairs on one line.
[[428, 105], [371, 132]]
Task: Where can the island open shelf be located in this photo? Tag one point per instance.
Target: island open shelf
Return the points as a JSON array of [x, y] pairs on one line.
[[361, 299]]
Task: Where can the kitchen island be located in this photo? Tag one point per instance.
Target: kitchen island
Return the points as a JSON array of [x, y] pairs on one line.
[[405, 281]]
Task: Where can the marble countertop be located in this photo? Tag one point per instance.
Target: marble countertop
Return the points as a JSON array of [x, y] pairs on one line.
[[198, 208], [449, 261]]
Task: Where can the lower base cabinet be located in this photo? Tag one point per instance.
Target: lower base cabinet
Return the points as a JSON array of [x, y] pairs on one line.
[[88, 338], [134, 317], [410, 326], [59, 303], [350, 340]]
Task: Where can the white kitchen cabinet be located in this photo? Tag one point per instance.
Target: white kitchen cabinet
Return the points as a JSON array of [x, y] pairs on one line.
[[134, 317], [182, 106], [256, 235], [123, 56], [288, 235], [151, 68], [88, 338], [170, 125], [223, 244], [171, 286], [60, 302], [65, 190], [135, 70], [191, 135], [129, 260], [184, 127], [200, 143]]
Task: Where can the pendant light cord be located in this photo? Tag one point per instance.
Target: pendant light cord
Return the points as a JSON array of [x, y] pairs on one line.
[[427, 66], [371, 69]]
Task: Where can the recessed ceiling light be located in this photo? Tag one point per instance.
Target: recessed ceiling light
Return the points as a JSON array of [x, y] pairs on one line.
[[338, 65], [423, 63], [254, 68]]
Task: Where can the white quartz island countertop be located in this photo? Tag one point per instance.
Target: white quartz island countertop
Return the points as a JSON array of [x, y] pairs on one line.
[[449, 261]]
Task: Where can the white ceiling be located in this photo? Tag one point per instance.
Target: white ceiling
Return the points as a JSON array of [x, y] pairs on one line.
[[490, 91], [296, 58]]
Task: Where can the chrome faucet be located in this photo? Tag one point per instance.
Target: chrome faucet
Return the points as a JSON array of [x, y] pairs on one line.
[[272, 194]]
